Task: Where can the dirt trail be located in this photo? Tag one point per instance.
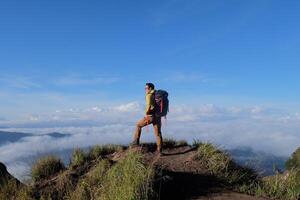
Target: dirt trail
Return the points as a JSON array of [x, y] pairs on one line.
[[183, 177]]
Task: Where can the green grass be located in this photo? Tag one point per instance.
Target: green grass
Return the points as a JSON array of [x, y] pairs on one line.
[[78, 158], [14, 191], [294, 160], [169, 143], [246, 180], [103, 150], [82, 192], [46, 167], [129, 179], [64, 186], [281, 186], [96, 175], [196, 143], [220, 164], [89, 187]]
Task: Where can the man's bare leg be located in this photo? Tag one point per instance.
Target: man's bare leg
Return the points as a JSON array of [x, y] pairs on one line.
[[158, 135], [138, 130]]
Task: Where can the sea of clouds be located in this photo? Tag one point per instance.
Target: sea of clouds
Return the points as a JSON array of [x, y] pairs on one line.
[[264, 129]]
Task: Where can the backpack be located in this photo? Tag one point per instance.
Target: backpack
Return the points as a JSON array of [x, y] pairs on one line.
[[161, 103]]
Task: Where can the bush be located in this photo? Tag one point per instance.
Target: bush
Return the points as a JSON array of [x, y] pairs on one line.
[[88, 187], [78, 158], [96, 176], [64, 186], [196, 143], [169, 143], [103, 150], [13, 190], [215, 160], [129, 179], [82, 192], [221, 165], [282, 186], [46, 167], [294, 161]]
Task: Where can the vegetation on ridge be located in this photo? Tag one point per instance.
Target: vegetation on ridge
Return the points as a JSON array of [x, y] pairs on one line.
[[93, 175]]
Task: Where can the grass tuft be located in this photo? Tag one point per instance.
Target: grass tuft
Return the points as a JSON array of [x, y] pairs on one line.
[[46, 167], [281, 186], [244, 179], [90, 186], [13, 190], [129, 179], [78, 158], [169, 143], [103, 150], [196, 143], [220, 164]]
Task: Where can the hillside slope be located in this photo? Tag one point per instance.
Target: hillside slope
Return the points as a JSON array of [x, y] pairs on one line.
[[5, 176], [178, 175], [113, 172], [182, 176]]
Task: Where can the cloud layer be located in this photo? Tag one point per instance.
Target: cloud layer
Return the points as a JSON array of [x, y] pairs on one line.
[[267, 129]]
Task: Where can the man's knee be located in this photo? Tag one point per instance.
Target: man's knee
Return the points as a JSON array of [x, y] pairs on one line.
[[138, 125]]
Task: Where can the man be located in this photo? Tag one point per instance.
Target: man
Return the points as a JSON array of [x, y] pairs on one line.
[[150, 118]]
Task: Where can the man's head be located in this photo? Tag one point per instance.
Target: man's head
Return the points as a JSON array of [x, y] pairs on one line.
[[149, 86]]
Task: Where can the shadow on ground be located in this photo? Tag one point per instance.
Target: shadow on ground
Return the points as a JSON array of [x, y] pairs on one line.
[[185, 185]]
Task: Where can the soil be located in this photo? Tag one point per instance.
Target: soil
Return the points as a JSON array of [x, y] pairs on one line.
[[183, 177], [179, 175]]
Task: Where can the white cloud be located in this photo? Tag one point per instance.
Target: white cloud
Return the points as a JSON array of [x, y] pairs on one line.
[[267, 129], [129, 107], [256, 110]]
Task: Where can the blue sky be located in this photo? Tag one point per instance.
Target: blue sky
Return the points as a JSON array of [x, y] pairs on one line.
[[242, 52], [231, 69]]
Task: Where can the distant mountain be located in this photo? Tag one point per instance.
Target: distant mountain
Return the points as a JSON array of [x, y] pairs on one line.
[[57, 135], [263, 162], [6, 136], [11, 136]]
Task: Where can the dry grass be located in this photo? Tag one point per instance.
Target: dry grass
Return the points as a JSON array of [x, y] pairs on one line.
[[103, 150], [220, 164], [128, 179], [281, 186], [46, 167], [13, 190]]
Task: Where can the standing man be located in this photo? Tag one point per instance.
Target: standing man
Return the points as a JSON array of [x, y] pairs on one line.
[[150, 118]]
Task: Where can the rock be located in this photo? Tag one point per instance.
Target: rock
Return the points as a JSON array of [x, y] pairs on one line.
[[5, 176]]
